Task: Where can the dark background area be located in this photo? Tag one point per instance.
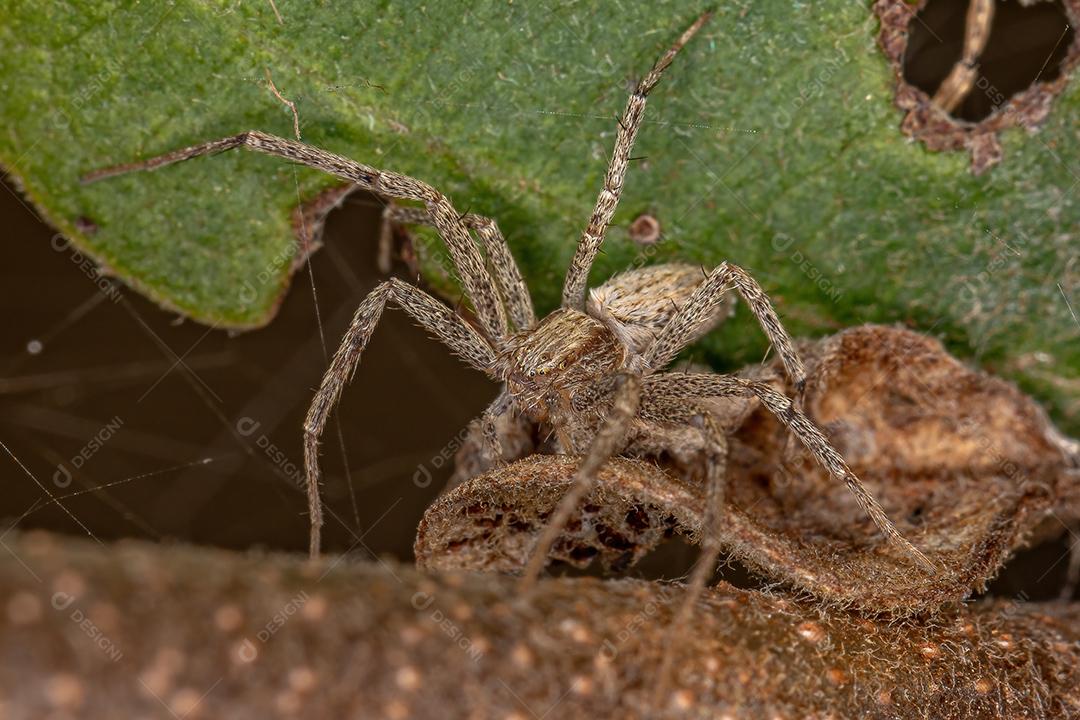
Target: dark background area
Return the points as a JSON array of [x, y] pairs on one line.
[[72, 361]]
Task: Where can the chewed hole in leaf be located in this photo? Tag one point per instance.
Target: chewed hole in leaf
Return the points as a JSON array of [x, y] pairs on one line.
[[1028, 43]]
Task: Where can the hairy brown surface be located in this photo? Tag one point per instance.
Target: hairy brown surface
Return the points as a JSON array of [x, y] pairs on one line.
[[491, 523], [139, 630], [964, 463]]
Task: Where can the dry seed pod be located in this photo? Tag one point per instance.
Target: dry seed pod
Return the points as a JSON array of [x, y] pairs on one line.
[[121, 630], [964, 463]]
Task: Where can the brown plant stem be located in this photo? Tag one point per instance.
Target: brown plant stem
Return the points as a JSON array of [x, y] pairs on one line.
[[131, 629]]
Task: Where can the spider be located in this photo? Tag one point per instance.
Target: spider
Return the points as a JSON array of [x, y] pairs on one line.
[[592, 370]]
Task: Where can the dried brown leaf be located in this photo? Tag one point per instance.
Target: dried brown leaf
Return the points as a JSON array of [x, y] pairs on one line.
[[964, 463]]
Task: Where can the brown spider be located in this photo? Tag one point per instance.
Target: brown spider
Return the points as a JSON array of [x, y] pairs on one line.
[[591, 370]]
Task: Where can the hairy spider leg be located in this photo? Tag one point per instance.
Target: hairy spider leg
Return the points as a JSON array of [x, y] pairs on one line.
[[577, 275]]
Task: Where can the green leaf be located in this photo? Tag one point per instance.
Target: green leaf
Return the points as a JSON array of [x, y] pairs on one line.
[[772, 142]]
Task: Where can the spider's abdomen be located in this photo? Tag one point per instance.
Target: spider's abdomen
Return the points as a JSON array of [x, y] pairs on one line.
[[566, 352], [637, 305]]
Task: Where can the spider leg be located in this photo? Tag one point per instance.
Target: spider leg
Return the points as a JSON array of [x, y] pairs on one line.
[[961, 79], [578, 274], [714, 460], [432, 315], [1072, 571], [466, 256], [492, 446], [690, 385], [503, 267], [700, 310], [489, 432], [637, 304], [384, 256], [607, 442], [499, 435]]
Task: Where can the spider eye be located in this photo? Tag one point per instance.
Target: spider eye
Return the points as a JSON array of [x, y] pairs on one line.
[[542, 371], [531, 373]]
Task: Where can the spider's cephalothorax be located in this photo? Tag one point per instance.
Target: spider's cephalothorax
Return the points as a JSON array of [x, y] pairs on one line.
[[592, 371], [545, 367]]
